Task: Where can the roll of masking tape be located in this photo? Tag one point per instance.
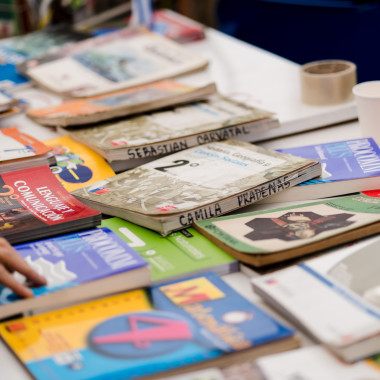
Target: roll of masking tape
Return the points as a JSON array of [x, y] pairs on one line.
[[327, 82]]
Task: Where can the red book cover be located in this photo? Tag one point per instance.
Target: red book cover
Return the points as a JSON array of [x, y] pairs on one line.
[[33, 204]]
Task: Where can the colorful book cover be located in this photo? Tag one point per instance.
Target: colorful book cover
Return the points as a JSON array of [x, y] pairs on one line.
[[15, 144], [119, 103], [77, 165], [342, 160], [33, 204], [73, 259], [15, 50], [131, 335], [180, 254], [122, 59]]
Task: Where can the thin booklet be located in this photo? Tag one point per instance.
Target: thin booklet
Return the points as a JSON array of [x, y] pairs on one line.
[[125, 58], [173, 192], [335, 298], [265, 237], [120, 103]]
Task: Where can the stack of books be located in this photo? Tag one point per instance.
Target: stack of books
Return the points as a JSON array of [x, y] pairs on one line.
[[138, 207]]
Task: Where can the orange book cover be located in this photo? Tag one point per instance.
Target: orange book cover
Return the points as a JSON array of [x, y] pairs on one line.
[[77, 165]]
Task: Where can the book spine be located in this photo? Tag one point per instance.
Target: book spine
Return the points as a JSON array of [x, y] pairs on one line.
[[242, 132]]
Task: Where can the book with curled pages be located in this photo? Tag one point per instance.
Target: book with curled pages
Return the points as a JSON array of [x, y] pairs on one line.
[[113, 61], [173, 192], [142, 138], [120, 103]]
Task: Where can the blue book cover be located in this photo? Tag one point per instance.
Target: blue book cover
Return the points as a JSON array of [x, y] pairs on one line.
[[342, 160], [16, 50], [73, 259], [143, 333]]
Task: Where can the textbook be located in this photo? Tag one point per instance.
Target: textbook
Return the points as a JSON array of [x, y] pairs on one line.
[[77, 165], [113, 61], [348, 166], [305, 363], [198, 183], [265, 237], [334, 298], [77, 266], [172, 328], [34, 205], [176, 26], [120, 103], [178, 255], [21, 151], [159, 133], [17, 49]]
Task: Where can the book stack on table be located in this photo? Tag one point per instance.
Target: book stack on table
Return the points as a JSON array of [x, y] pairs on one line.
[[147, 193]]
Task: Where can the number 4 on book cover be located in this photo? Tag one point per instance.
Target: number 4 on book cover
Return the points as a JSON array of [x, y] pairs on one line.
[[181, 326]]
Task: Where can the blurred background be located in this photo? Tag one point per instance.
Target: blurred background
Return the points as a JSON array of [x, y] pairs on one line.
[[300, 30]]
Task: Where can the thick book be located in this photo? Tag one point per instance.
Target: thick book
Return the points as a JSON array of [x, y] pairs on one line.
[[34, 205], [334, 298], [348, 166], [17, 49], [159, 133], [113, 61], [77, 266], [77, 165], [177, 327], [120, 103], [180, 254], [21, 151], [173, 192], [271, 236]]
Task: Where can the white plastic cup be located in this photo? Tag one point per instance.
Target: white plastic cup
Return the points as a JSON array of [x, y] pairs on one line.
[[367, 96]]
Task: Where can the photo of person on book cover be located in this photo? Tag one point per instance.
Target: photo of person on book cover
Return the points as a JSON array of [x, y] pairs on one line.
[[296, 225]]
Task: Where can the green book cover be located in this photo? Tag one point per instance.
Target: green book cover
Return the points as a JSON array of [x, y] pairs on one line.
[[178, 255]]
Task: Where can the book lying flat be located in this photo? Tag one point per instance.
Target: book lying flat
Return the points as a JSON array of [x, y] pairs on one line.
[[77, 266], [21, 151], [17, 49], [120, 103], [271, 236], [173, 328], [159, 133], [172, 192], [34, 205], [348, 166], [125, 58], [335, 298], [310, 362], [77, 165], [178, 255]]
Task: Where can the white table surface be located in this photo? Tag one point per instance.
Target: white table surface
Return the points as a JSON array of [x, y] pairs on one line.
[[255, 76]]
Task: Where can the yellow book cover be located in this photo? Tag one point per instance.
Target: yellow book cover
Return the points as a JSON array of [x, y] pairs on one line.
[[77, 166]]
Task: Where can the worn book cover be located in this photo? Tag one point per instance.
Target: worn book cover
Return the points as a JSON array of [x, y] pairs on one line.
[[125, 58], [15, 50], [33, 204], [180, 326], [348, 166], [178, 255], [77, 267], [202, 182], [21, 151], [270, 236], [120, 103], [77, 165], [347, 280], [159, 133]]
